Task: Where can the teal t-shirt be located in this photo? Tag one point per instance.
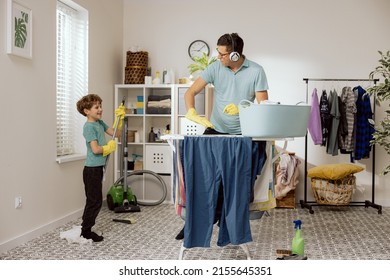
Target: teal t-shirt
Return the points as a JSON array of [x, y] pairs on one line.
[[95, 131], [232, 87]]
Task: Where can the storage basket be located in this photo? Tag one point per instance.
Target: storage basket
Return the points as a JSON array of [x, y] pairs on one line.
[[273, 120], [137, 59], [135, 74], [288, 201], [333, 192]]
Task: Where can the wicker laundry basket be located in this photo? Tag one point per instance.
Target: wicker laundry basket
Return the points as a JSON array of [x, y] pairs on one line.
[[136, 67], [135, 74], [137, 59], [333, 192]]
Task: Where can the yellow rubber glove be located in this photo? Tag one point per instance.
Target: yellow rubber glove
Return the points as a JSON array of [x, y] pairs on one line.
[[231, 109], [109, 148], [193, 116], [119, 112]]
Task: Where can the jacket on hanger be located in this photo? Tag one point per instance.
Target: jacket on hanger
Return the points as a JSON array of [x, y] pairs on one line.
[[315, 119], [325, 117], [348, 115], [332, 144], [364, 130]]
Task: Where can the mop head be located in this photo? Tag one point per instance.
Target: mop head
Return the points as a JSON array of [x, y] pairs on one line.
[[73, 236], [125, 221]]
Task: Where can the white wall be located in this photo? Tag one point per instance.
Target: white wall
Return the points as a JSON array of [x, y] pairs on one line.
[[51, 192], [291, 39]]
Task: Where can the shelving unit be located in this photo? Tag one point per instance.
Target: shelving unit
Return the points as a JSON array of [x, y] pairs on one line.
[[309, 204], [156, 156]]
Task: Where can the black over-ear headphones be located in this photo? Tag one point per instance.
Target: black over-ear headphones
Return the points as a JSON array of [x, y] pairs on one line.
[[234, 56]]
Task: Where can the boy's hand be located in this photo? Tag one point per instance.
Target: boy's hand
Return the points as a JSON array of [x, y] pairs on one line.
[[109, 148], [193, 116], [120, 113]]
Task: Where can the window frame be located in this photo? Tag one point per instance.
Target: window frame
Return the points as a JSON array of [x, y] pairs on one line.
[[71, 79]]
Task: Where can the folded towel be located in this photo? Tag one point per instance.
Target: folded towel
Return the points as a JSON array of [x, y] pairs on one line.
[[158, 104]]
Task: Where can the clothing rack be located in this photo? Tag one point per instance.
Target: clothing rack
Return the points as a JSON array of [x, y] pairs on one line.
[[309, 204]]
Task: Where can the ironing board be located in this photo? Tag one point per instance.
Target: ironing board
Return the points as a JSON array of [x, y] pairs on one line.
[[179, 182]]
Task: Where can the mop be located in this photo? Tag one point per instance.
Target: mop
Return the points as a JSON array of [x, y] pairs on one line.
[[126, 206], [113, 137]]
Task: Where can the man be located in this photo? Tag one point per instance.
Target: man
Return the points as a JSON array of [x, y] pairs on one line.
[[234, 78]]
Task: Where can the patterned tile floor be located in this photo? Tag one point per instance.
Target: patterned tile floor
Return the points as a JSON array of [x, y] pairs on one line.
[[338, 233]]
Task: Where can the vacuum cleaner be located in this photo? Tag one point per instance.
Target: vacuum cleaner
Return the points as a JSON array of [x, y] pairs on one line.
[[120, 198]]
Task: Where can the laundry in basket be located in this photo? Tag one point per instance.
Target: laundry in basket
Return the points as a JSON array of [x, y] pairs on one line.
[[273, 120]]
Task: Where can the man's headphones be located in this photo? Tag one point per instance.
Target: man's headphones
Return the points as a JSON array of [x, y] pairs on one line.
[[234, 56]]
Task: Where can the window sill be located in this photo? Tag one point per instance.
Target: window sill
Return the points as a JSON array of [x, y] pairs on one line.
[[69, 158]]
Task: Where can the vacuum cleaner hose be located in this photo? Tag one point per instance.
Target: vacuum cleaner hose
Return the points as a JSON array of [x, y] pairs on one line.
[[141, 172]]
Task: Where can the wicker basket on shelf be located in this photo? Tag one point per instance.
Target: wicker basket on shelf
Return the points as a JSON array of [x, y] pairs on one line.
[[137, 59], [135, 74], [333, 192], [136, 67]]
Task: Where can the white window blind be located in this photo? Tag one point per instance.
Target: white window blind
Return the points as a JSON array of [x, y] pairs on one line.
[[72, 75]]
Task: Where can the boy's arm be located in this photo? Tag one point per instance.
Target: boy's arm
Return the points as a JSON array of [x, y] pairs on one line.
[[96, 149], [105, 150], [110, 131]]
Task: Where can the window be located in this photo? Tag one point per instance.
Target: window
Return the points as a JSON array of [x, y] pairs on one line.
[[72, 77]]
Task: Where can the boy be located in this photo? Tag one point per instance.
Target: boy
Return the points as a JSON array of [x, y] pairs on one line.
[[97, 151]]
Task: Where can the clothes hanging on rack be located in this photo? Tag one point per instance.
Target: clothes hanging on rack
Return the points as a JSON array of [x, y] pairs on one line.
[[348, 116], [344, 122], [366, 148], [364, 130], [332, 142], [325, 116], [315, 119]]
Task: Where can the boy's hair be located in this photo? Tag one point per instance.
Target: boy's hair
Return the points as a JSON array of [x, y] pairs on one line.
[[87, 101]]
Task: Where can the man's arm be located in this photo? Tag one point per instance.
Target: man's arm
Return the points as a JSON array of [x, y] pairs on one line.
[[194, 89], [189, 98], [261, 96]]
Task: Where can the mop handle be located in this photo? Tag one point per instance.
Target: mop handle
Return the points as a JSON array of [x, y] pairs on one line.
[[118, 119], [113, 137]]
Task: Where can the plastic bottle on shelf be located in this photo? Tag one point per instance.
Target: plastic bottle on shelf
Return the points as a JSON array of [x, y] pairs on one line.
[[136, 137], [164, 76], [171, 76], [298, 244], [157, 79], [158, 135], [152, 137]]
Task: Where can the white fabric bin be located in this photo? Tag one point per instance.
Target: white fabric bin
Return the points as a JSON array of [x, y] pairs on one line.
[[273, 120]]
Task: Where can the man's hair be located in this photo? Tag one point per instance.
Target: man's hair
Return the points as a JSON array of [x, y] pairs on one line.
[[226, 40], [87, 101]]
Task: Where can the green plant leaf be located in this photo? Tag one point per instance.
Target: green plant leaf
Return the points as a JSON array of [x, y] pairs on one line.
[[21, 31], [381, 91], [201, 63]]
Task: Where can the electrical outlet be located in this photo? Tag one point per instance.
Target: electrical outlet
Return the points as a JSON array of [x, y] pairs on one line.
[[18, 202]]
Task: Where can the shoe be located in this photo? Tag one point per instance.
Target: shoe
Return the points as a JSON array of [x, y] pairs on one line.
[[180, 235], [92, 235]]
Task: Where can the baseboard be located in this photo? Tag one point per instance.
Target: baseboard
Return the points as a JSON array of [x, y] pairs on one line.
[[14, 242]]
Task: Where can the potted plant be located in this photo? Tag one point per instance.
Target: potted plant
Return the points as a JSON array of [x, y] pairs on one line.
[[381, 91], [201, 63]]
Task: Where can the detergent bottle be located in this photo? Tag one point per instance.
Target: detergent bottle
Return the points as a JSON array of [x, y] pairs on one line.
[[298, 244]]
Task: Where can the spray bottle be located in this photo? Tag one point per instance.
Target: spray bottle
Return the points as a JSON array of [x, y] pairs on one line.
[[298, 244]]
